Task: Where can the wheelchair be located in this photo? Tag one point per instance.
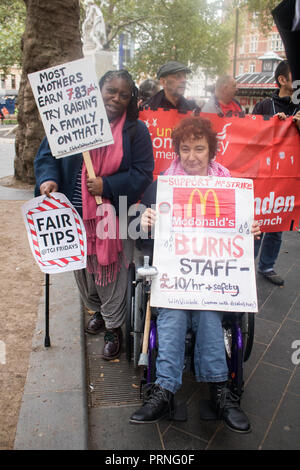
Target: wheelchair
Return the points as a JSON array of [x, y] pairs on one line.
[[141, 332]]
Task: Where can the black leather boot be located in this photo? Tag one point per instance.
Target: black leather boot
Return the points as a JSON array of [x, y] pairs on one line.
[[112, 344], [159, 403], [226, 405], [95, 324]]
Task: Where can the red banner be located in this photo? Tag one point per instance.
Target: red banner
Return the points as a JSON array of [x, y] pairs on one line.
[[265, 150]]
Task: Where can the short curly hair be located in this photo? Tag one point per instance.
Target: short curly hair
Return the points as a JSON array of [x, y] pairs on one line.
[[195, 127]]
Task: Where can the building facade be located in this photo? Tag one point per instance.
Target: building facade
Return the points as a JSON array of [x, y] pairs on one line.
[[257, 55], [11, 81], [9, 86], [253, 44]]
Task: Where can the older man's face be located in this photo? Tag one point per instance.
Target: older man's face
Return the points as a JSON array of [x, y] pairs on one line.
[[230, 89], [174, 84]]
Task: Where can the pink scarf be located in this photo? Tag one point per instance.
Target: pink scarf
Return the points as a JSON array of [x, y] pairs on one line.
[[104, 255], [214, 169]]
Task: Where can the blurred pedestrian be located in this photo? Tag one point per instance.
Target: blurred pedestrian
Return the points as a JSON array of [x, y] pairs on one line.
[[148, 88], [223, 100]]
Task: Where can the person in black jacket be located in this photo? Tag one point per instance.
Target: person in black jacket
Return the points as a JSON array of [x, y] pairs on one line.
[[279, 104], [281, 101], [287, 18], [123, 169], [172, 78]]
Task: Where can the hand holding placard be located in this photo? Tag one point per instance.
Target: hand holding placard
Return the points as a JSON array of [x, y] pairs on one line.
[[90, 171]]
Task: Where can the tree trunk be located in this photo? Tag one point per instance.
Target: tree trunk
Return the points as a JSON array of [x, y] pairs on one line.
[[51, 37]]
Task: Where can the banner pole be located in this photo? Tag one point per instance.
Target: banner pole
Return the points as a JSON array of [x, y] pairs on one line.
[[47, 343], [91, 172]]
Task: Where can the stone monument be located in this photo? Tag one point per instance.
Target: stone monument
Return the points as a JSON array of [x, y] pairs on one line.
[[94, 38]]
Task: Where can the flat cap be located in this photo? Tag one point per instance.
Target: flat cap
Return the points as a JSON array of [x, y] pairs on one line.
[[172, 67]]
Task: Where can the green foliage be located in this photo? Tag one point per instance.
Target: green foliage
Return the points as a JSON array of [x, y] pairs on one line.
[[10, 121], [12, 24], [263, 11], [189, 31], [186, 30]]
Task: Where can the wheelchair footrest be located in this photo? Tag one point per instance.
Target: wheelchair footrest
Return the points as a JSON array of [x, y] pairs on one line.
[[206, 412], [180, 411]]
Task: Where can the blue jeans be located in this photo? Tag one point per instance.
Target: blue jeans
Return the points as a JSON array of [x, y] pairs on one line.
[[270, 244], [209, 354]]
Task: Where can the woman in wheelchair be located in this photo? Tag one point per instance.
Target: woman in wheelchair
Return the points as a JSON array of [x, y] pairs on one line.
[[195, 144]]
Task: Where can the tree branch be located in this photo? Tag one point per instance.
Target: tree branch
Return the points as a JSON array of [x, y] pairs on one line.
[[125, 24]]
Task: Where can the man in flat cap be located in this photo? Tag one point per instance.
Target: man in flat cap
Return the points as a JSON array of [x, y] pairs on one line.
[[172, 78]]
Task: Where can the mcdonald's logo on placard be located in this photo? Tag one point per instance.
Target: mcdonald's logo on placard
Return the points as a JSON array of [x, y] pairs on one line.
[[204, 207], [203, 201]]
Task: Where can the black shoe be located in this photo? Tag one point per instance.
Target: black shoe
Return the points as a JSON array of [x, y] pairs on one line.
[[95, 324], [113, 343], [226, 405], [272, 277], [158, 404]]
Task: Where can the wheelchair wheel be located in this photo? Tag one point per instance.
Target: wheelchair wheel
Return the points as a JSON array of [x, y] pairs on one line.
[[248, 334], [150, 371], [130, 311], [233, 340], [138, 322], [152, 367]]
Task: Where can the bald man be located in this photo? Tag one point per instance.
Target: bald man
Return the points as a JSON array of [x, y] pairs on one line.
[[223, 100]]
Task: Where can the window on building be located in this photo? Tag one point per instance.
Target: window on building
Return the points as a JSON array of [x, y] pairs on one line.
[[253, 20], [241, 69], [13, 82], [242, 47], [2, 81], [253, 44], [252, 68], [276, 43]]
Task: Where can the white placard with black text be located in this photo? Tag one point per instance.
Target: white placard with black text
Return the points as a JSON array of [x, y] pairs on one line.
[[56, 233], [204, 249], [71, 107]]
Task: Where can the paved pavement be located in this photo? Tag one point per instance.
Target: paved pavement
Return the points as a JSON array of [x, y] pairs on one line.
[[74, 400], [53, 413], [272, 384]]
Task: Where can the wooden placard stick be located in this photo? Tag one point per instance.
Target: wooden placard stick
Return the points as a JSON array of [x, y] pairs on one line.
[[143, 360], [91, 172]]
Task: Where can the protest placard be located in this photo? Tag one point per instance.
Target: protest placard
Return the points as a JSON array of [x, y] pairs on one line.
[[56, 233], [71, 107], [203, 246], [266, 150]]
